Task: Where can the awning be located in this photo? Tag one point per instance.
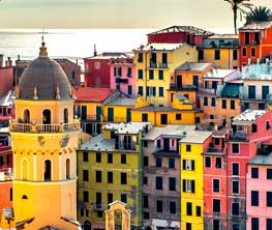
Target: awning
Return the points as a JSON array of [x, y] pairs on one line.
[[20, 224], [70, 220]]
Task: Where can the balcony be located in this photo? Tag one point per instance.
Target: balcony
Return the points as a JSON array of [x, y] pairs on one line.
[[206, 91], [166, 153], [44, 128], [238, 136], [125, 146], [183, 87]]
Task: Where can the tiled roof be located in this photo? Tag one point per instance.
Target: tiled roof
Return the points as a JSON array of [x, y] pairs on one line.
[[193, 66], [257, 26], [92, 94], [189, 29]]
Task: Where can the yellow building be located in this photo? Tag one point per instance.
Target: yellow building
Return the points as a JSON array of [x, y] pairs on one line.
[[44, 140], [181, 112], [111, 170], [155, 64], [192, 193], [222, 50]]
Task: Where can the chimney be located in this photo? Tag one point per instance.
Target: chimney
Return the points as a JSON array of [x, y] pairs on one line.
[[95, 52], [9, 62], [18, 57], [1, 60]]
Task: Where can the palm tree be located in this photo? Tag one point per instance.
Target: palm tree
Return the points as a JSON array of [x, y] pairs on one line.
[[238, 6], [259, 14]]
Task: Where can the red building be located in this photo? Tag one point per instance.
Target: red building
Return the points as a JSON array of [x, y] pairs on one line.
[[249, 130], [255, 42], [97, 69], [179, 34]]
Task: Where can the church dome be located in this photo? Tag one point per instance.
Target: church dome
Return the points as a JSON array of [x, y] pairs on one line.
[[44, 79]]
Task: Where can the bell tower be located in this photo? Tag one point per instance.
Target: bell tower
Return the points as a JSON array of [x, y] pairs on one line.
[[44, 141]]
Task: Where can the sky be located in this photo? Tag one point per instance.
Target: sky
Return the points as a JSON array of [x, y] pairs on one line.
[[206, 14]]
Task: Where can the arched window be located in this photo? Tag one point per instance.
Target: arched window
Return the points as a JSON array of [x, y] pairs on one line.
[[26, 116], [24, 197], [68, 165], [118, 220], [46, 116], [65, 116], [47, 170]]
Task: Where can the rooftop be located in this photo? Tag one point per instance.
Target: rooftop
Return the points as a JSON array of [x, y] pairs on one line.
[[194, 66], [261, 159], [189, 29], [219, 73], [90, 94], [160, 46], [127, 128], [8, 99], [122, 100], [220, 41], [196, 136], [156, 109], [257, 26], [249, 116], [98, 143], [110, 55]]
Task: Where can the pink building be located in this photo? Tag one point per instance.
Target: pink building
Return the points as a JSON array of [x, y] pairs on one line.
[[215, 189], [122, 75], [249, 130], [259, 189]]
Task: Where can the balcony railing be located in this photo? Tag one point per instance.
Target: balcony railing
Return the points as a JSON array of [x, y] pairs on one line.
[[162, 65], [125, 146], [44, 128], [207, 91]]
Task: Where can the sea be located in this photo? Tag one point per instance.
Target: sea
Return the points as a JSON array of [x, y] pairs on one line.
[[74, 44]]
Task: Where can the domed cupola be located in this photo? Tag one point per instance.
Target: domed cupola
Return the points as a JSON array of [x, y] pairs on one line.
[[44, 79]]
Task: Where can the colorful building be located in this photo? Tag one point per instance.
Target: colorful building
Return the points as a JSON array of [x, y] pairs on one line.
[[259, 189], [44, 137], [155, 64], [97, 69], [249, 130], [192, 147], [110, 169], [6, 108], [255, 42], [122, 74], [222, 50], [161, 183]]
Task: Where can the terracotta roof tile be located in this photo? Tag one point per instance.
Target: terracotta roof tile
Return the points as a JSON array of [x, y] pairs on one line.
[[92, 94]]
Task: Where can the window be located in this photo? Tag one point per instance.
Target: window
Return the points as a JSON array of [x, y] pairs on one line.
[[85, 175], [235, 55], [235, 148], [144, 117], [265, 91], [172, 207], [158, 143], [198, 211], [268, 224], [254, 173], [255, 223], [235, 227], [99, 214], [110, 198], [123, 158], [216, 185], [172, 184], [200, 54], [140, 57], [261, 106], [232, 104], [140, 90], [123, 198], [158, 162], [159, 183], [254, 198], [213, 102], [216, 141], [160, 74], [110, 177], [129, 89], [253, 52], [85, 196], [216, 205], [146, 215], [145, 180], [251, 91], [146, 163], [159, 206], [205, 103], [217, 55], [98, 176], [269, 174], [189, 209], [188, 186], [218, 162], [161, 92], [188, 226], [188, 148], [235, 209], [188, 164], [224, 104], [140, 74], [110, 159], [269, 199], [47, 170], [123, 178], [85, 156], [152, 91], [151, 74], [207, 162], [98, 157], [244, 52], [146, 205], [235, 187], [10, 194], [216, 224], [171, 163], [178, 116], [235, 169]]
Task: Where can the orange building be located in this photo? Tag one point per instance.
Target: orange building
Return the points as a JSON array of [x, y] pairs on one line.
[[255, 42]]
